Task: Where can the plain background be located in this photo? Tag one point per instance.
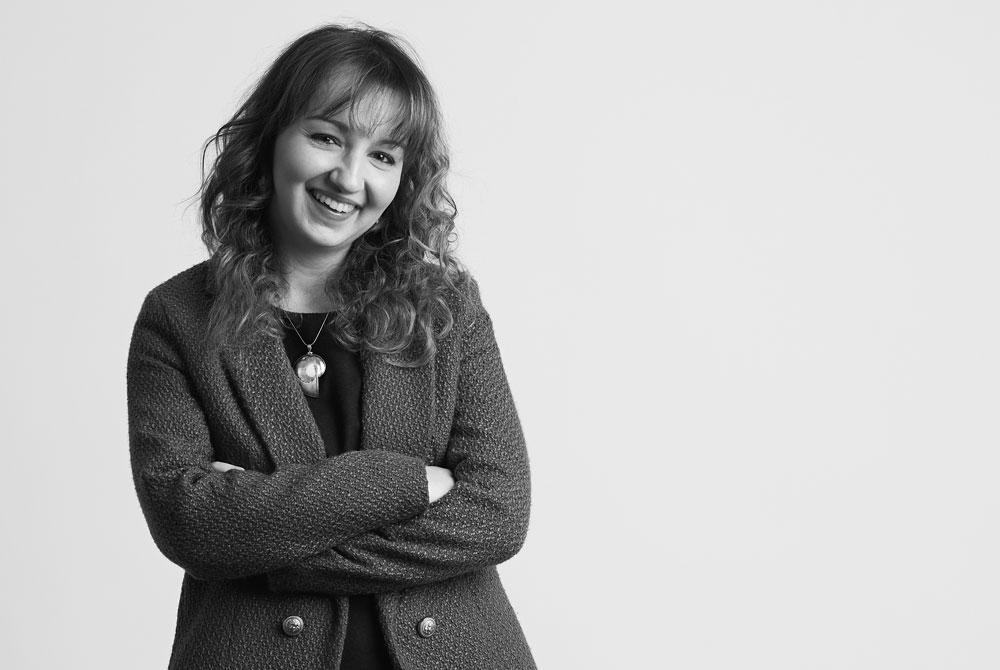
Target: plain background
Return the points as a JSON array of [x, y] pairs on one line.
[[742, 261]]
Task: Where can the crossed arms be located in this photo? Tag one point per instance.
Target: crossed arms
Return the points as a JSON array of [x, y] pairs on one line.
[[357, 523]]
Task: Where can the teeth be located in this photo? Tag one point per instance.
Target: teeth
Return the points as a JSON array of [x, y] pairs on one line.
[[339, 207]]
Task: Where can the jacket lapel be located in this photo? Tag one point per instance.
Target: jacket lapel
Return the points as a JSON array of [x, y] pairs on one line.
[[397, 404], [272, 399]]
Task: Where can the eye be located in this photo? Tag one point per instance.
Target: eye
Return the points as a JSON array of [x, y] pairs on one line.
[[383, 157], [323, 138]]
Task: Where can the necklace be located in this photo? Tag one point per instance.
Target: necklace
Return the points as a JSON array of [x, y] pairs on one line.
[[309, 367]]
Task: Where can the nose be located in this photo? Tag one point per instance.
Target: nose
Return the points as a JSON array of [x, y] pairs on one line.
[[346, 173]]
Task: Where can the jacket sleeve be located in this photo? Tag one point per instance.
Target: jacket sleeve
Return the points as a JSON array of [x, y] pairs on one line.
[[481, 522], [235, 524]]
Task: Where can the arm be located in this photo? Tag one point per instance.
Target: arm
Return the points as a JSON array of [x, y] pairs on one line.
[[234, 524], [481, 522]]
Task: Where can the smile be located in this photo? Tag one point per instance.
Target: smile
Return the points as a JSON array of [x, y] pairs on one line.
[[335, 206]]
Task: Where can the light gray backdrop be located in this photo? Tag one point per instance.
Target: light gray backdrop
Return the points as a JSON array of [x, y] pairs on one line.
[[741, 257]]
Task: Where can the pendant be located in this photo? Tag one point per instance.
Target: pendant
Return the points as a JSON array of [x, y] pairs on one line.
[[309, 368]]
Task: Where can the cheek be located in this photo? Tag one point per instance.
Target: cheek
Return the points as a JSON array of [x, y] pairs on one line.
[[388, 189], [293, 164]]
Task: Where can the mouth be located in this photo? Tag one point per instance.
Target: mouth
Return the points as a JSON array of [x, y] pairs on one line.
[[339, 207]]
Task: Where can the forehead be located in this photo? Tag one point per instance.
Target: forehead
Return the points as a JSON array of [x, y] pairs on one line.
[[374, 110]]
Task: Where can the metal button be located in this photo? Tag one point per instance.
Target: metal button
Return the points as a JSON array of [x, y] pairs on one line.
[[293, 625], [427, 627]]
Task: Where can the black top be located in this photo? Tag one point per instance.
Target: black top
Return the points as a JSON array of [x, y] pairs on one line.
[[337, 411]]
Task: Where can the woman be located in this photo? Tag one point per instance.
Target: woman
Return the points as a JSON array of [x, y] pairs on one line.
[[321, 431]]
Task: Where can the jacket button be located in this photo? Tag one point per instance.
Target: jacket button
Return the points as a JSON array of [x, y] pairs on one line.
[[427, 627], [293, 625]]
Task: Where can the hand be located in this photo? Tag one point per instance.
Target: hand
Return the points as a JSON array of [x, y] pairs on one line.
[[439, 482], [219, 466]]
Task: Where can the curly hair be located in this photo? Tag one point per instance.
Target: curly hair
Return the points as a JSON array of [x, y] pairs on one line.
[[392, 287]]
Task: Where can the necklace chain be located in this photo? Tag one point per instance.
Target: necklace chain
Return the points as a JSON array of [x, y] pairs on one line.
[[309, 345]]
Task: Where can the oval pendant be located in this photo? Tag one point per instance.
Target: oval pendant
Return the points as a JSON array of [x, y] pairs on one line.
[[309, 368]]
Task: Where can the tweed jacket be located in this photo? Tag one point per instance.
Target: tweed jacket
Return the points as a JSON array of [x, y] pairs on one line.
[[271, 553]]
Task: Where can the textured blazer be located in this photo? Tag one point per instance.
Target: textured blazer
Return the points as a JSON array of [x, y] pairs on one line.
[[271, 553]]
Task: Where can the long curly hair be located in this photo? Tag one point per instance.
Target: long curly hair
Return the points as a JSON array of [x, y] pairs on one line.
[[392, 287]]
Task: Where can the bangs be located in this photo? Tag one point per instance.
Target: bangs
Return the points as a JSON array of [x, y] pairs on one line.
[[377, 100]]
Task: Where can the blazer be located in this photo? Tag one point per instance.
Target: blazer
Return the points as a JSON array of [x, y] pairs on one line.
[[271, 553]]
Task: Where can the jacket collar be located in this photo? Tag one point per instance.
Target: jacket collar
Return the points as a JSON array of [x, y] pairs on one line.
[[397, 403]]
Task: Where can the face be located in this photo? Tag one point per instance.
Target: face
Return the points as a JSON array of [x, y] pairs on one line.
[[332, 182]]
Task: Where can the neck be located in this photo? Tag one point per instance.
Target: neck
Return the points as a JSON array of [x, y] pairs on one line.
[[305, 283]]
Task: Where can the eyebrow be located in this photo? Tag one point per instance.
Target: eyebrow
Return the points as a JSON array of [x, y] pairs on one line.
[[344, 128]]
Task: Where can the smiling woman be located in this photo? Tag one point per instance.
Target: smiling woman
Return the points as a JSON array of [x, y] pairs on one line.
[[345, 115], [322, 435]]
